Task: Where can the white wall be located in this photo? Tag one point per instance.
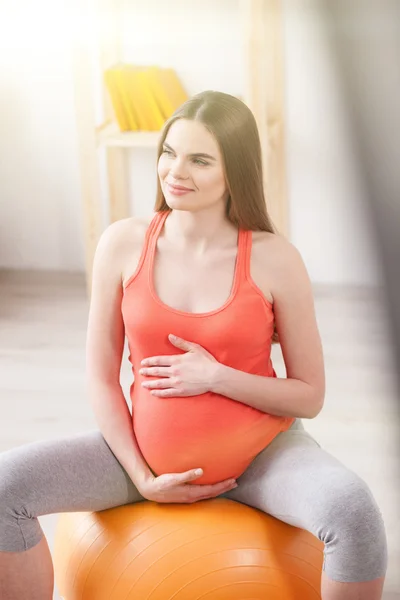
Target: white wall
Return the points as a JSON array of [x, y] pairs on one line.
[[40, 215], [39, 186]]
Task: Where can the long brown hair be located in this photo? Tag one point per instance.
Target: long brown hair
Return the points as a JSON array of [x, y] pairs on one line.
[[234, 127]]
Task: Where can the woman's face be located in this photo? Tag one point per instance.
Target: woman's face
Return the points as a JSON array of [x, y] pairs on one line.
[[183, 163]]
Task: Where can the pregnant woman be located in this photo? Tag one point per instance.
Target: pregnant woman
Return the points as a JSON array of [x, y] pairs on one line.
[[201, 290]]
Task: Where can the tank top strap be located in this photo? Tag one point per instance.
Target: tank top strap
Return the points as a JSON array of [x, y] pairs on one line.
[[244, 254], [152, 234]]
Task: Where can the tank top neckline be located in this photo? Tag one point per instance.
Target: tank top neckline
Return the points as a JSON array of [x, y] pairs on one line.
[[239, 272]]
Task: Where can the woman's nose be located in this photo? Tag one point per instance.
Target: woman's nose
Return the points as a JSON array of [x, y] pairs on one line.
[[178, 169]]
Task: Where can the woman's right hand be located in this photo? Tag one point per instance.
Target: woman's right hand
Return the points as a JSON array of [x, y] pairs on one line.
[[173, 487]]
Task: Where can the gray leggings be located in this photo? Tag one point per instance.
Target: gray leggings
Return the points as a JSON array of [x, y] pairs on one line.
[[293, 479]]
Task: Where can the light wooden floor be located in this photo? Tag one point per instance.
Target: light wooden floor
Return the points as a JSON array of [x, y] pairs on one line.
[[42, 345]]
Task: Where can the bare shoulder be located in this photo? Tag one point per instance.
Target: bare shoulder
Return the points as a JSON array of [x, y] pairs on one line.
[[275, 248], [133, 233], [127, 229], [125, 234], [121, 243], [274, 262]]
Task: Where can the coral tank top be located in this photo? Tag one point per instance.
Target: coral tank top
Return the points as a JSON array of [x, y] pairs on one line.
[[211, 431]]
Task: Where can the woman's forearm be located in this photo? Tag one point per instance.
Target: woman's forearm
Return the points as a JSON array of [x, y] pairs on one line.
[[115, 423], [280, 397]]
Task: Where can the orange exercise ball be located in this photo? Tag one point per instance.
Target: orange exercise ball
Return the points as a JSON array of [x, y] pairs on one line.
[[215, 549]]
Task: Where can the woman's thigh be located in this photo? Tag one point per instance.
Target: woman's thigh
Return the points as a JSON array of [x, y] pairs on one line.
[[296, 481], [288, 466], [72, 473]]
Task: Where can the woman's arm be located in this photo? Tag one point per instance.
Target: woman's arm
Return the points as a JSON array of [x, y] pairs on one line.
[[280, 397], [104, 351], [301, 394]]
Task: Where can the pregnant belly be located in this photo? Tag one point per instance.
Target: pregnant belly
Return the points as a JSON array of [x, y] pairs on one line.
[[209, 431]]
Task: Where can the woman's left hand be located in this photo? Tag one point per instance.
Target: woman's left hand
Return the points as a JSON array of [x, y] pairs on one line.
[[186, 374]]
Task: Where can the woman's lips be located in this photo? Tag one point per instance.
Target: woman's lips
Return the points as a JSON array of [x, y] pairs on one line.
[[177, 191]]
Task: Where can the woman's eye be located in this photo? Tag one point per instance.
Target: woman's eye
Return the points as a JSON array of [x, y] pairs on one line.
[[197, 161]]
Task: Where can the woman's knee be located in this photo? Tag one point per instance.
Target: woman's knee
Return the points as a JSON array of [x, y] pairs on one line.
[[348, 520], [11, 478], [19, 530]]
